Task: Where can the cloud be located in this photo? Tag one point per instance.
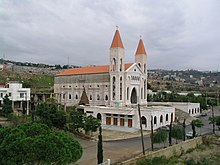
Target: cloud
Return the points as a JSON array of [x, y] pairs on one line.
[[177, 34]]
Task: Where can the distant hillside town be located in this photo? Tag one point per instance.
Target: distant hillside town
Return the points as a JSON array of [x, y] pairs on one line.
[[37, 68]]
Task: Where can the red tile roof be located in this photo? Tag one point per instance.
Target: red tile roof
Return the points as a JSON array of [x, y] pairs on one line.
[[117, 42], [140, 48], [88, 70]]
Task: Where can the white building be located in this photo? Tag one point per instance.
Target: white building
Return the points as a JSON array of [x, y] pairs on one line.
[[193, 109], [19, 96], [127, 117], [113, 90]]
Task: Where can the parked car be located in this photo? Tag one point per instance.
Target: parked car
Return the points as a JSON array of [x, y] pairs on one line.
[[204, 114], [189, 135], [166, 127]]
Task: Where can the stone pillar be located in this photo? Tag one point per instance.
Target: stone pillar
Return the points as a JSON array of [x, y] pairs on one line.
[[13, 106], [43, 98], [27, 107]]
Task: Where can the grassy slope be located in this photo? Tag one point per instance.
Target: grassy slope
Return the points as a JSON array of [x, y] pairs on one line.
[[28, 79]]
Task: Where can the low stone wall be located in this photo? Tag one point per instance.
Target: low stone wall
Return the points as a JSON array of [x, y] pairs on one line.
[[168, 152]]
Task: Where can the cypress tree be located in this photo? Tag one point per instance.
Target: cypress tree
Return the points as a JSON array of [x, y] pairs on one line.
[[7, 106], [100, 149]]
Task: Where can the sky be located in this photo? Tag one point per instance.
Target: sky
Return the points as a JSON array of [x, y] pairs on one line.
[[177, 35]]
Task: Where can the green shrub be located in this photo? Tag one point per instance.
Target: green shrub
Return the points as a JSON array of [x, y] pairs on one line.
[[154, 161], [190, 162]]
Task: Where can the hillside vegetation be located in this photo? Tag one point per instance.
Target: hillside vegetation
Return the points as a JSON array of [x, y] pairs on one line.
[[29, 80]]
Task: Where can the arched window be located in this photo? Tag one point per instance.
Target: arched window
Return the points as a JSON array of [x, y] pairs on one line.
[[106, 97], [90, 97], [144, 121], [121, 64], [99, 116], [70, 96], [161, 119], [76, 96], [127, 93], [198, 110], [155, 120], [144, 68], [113, 64], [113, 88], [192, 111], [120, 88], [171, 117], [139, 64], [189, 111], [166, 117], [98, 97]]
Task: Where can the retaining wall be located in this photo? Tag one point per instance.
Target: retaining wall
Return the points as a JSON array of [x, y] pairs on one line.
[[170, 151]]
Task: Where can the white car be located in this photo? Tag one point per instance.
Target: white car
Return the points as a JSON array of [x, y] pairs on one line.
[[189, 135]]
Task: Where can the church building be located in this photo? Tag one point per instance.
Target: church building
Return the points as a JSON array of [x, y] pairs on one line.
[[113, 90]]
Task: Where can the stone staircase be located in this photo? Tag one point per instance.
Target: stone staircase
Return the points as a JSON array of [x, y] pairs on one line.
[[181, 115]]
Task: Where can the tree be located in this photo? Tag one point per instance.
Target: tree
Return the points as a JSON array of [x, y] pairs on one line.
[[36, 143], [48, 114], [196, 123], [216, 120], [170, 133], [100, 149], [76, 120], [177, 132], [160, 136], [91, 124], [7, 106]]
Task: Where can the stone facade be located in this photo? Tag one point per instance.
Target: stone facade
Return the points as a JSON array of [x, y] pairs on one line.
[[114, 91], [68, 89], [118, 84]]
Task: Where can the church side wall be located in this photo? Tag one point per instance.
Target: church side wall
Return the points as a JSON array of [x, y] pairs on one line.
[[68, 89]]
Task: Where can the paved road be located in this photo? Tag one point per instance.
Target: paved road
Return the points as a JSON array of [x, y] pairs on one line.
[[128, 148], [207, 128], [115, 150]]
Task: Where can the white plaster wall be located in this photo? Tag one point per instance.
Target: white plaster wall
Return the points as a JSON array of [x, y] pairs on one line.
[[145, 111], [16, 89], [188, 107]]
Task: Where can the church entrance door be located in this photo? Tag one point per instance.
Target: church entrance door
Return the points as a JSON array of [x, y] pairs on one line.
[[133, 96]]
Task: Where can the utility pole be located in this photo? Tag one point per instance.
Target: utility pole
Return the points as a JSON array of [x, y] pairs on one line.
[[142, 138], [152, 134], [184, 129], [68, 62], [213, 122], [170, 138]]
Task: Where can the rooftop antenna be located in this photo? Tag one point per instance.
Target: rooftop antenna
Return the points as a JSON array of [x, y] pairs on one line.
[[68, 61]]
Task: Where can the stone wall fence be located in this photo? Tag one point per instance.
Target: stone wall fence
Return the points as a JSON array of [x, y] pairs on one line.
[[175, 150]]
